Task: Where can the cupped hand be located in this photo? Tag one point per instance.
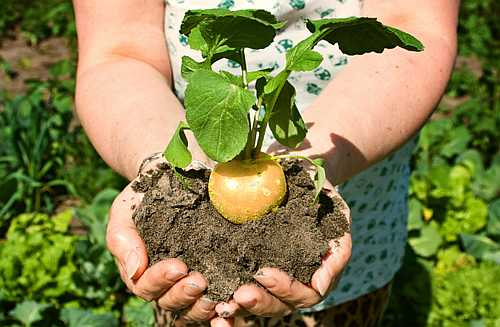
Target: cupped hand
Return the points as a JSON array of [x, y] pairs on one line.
[[168, 282], [280, 294]]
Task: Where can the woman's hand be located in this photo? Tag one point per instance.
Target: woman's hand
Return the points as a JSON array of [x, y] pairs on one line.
[[283, 294], [168, 281]]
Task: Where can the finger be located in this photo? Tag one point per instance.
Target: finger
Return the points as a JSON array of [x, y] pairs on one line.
[[229, 309], [122, 238], [332, 265], [202, 309], [184, 293], [259, 302], [157, 279], [221, 322], [287, 289]]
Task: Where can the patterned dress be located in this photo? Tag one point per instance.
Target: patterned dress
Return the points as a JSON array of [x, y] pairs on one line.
[[377, 196]]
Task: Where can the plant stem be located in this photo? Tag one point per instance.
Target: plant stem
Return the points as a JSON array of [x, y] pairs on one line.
[[269, 110], [244, 68], [247, 152], [253, 131]]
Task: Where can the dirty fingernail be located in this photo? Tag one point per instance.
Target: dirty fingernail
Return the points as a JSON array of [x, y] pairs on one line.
[[207, 304], [264, 279], [225, 314], [192, 289], [247, 301], [131, 264], [175, 275]]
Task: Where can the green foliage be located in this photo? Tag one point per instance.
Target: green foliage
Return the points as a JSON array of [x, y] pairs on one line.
[[466, 295], [37, 259], [43, 155], [98, 277], [37, 20], [138, 313], [216, 111], [455, 188], [74, 317], [28, 312]]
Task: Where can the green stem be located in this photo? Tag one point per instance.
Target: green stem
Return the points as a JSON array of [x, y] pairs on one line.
[[253, 132], [244, 72], [247, 152], [267, 116]]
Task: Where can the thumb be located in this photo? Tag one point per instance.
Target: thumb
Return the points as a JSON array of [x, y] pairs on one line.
[[122, 238]]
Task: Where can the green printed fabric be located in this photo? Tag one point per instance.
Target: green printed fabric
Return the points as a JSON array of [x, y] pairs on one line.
[[377, 196]]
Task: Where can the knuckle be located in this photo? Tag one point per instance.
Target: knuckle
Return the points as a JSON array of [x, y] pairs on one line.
[[143, 293], [199, 315]]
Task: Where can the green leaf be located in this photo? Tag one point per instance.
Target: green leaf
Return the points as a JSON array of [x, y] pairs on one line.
[[415, 221], [479, 246], [189, 66], [494, 218], [458, 139], [253, 29], [255, 75], [28, 312], [301, 56], [276, 82], [359, 35], [231, 78], [319, 177], [237, 32], [308, 61], [177, 152], [428, 242], [216, 111], [138, 313], [285, 121], [76, 317]]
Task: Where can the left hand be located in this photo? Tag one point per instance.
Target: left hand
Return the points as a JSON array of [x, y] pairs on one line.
[[283, 294]]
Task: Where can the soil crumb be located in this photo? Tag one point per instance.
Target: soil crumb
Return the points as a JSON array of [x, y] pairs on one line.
[[176, 219]]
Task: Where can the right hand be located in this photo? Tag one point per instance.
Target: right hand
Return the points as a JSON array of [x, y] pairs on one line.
[[168, 282]]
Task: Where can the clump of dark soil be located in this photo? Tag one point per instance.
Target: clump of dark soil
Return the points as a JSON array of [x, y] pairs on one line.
[[176, 219]]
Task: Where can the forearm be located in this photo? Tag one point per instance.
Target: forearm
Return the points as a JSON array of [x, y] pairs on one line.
[[377, 103], [128, 111]]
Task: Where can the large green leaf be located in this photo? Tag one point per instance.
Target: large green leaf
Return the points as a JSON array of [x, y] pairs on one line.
[[189, 66], [138, 313], [494, 218], [481, 247], [285, 121], [358, 35], [428, 242], [75, 317], [216, 111], [28, 312], [177, 152], [254, 29]]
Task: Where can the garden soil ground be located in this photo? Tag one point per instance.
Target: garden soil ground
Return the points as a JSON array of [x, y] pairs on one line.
[[176, 219]]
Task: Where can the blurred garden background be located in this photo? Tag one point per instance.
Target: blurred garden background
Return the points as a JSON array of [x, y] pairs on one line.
[[55, 191]]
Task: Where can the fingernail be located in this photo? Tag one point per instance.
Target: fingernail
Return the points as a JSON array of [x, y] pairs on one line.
[[247, 301], [192, 289], [323, 283], [225, 314], [264, 279], [131, 264], [175, 275], [207, 304]]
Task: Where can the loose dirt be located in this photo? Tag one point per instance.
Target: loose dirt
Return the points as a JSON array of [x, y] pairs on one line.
[[176, 219]]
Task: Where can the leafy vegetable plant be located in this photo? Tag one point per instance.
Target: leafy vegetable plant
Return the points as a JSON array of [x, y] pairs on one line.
[[246, 183]]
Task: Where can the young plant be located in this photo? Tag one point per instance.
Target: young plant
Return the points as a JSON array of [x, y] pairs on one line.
[[246, 183]]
